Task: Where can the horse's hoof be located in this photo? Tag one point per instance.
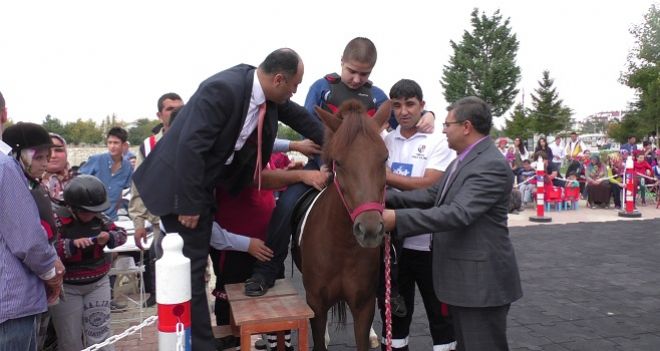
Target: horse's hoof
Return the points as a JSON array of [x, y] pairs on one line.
[[374, 342]]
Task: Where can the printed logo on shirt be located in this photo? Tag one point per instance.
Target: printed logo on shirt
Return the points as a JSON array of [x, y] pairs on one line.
[[404, 169], [420, 155]]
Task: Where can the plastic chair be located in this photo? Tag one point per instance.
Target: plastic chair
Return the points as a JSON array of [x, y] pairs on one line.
[[553, 196], [571, 197]]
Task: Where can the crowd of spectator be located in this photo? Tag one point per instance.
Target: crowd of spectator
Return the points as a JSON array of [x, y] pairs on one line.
[[569, 163]]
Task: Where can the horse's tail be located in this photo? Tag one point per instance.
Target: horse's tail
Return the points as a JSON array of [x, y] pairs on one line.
[[339, 313]]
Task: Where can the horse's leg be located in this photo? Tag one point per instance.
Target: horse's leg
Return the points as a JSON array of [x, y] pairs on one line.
[[319, 329], [363, 316]]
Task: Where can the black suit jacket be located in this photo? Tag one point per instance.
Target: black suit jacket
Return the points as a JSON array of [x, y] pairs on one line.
[[474, 264], [179, 175]]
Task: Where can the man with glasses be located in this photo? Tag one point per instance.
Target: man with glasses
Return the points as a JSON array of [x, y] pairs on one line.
[[474, 266]]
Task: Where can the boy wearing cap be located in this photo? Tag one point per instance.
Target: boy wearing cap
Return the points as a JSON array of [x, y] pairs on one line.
[[83, 318]]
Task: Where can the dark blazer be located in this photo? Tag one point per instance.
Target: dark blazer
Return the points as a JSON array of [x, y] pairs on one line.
[[179, 175], [474, 264]]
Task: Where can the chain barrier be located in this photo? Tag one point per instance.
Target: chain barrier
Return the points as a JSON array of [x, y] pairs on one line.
[[180, 344], [132, 330]]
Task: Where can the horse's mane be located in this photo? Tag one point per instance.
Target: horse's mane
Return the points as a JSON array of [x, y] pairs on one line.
[[355, 121]]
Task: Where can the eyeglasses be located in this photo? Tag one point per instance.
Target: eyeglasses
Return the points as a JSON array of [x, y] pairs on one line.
[[447, 124]]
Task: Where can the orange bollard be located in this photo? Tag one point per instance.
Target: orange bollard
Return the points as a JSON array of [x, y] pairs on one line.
[[629, 210], [540, 194]]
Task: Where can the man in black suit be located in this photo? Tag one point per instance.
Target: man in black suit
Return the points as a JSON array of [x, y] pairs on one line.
[[214, 141], [474, 266]]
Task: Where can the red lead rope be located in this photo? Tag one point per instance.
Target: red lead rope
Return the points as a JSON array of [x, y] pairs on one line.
[[388, 292]]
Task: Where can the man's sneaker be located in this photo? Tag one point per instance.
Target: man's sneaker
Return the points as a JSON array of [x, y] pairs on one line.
[[150, 301], [117, 306]]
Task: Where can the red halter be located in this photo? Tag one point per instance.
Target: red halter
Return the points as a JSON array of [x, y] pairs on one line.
[[367, 206]]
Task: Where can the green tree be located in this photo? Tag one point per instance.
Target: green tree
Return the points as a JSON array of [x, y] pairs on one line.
[[594, 125], [83, 132], [109, 122], [286, 132], [519, 124], [643, 75], [141, 130], [53, 124], [548, 114], [484, 63]]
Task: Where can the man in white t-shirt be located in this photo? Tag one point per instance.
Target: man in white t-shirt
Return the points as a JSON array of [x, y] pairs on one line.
[[558, 152], [417, 160]]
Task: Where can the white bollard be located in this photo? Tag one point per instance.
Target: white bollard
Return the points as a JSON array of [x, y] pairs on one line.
[[173, 296]]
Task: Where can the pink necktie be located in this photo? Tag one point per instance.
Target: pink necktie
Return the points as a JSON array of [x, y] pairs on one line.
[[260, 127]]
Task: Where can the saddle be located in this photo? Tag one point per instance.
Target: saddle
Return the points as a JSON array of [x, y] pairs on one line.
[[299, 211]]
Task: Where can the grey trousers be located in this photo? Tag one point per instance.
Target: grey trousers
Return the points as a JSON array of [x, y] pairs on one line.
[[83, 318]]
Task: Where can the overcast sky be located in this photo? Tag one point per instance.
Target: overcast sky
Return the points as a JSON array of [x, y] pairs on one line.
[[88, 59]]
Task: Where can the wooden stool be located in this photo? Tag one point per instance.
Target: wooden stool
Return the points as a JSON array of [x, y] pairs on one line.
[[271, 314]]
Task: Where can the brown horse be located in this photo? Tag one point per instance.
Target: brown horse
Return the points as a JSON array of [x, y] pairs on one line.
[[344, 228]]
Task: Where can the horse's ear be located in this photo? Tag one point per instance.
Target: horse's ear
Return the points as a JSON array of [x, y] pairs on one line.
[[383, 113], [328, 118]]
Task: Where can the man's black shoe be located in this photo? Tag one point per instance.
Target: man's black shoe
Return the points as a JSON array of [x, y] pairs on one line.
[[150, 301], [256, 286]]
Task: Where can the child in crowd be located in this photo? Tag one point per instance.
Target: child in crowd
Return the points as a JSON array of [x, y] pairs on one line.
[[642, 170], [82, 318], [525, 182], [572, 181]]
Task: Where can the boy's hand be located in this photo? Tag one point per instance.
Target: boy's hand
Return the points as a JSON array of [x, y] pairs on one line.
[[259, 250], [426, 123], [103, 238], [83, 243], [305, 147]]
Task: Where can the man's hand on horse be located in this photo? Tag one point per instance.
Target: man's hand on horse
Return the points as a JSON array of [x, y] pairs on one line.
[[189, 221], [426, 123], [389, 220], [317, 179], [140, 236], [305, 147], [259, 250]]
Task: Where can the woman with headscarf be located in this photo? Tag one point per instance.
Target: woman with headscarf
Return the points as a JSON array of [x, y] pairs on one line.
[[598, 185], [615, 170], [57, 171]]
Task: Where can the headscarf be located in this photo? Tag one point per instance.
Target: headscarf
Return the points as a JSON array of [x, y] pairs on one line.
[[596, 168], [55, 182]]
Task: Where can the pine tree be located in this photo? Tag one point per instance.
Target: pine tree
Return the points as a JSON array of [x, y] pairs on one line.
[[484, 64], [519, 124], [549, 115], [643, 75]]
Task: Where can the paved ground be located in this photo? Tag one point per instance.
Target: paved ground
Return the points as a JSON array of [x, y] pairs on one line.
[[587, 286]]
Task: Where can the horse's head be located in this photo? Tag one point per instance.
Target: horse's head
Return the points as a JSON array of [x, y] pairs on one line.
[[357, 155]]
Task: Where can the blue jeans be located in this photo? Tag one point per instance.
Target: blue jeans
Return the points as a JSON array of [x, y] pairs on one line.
[[19, 334]]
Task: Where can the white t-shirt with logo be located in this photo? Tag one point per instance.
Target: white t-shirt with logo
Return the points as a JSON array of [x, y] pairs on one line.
[[411, 158]]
